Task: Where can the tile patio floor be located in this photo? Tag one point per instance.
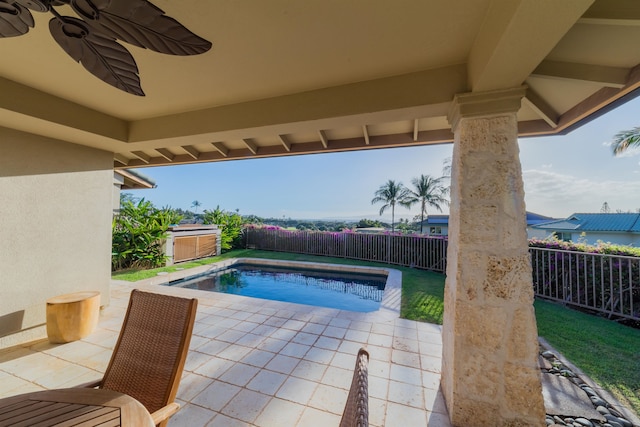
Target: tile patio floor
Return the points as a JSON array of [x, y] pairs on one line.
[[264, 363]]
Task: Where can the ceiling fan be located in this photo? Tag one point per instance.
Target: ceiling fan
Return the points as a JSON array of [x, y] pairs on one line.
[[91, 40]]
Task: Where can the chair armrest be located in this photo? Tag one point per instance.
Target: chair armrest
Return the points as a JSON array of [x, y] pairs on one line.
[[90, 384], [165, 412]]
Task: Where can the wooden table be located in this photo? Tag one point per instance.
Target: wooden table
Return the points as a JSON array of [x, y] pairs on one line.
[[73, 407]]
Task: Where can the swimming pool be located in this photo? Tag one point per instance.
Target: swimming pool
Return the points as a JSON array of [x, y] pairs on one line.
[[344, 290]]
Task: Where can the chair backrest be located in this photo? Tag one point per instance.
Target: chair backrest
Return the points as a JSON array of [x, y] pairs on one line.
[[148, 359], [356, 411]]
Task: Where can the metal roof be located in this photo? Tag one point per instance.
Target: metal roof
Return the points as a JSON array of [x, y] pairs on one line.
[[618, 222]]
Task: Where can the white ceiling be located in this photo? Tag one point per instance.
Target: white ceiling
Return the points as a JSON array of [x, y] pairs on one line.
[[291, 77]]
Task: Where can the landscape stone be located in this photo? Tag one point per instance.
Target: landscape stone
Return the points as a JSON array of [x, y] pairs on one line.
[[562, 397]]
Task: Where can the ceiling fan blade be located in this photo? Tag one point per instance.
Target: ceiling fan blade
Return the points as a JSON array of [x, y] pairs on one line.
[[101, 55], [142, 24], [15, 20]]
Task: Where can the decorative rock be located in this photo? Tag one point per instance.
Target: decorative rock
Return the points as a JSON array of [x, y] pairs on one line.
[[614, 424], [589, 391], [602, 410], [584, 422], [549, 421], [597, 401], [559, 420], [548, 355]]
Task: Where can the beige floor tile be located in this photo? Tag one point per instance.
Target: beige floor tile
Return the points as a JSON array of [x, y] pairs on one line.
[[195, 359], [378, 368], [222, 420], [257, 358], [191, 385], [406, 394], [319, 355], [216, 395], [239, 374], [312, 417], [400, 415], [234, 352], [305, 338], [283, 364], [405, 358], [377, 412], [381, 340], [334, 332], [214, 368], [314, 328], [328, 398], [297, 390], [406, 374], [280, 413], [328, 343], [345, 360], [246, 405], [382, 329], [271, 344], [434, 401], [295, 350], [213, 347], [267, 382], [337, 377], [308, 370], [191, 415], [378, 387], [351, 348]]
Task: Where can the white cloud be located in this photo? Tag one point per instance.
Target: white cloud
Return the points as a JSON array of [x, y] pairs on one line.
[[547, 166], [559, 195]]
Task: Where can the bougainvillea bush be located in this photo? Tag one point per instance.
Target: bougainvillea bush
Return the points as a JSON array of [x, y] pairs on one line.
[[603, 277]]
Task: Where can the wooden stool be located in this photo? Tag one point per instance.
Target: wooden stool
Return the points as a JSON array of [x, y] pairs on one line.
[[73, 316]]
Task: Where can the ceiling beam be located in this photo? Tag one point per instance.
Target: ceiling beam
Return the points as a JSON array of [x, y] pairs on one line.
[[121, 159], [323, 138], [191, 150], [251, 145], [285, 142], [612, 12], [166, 153], [414, 90], [222, 149], [516, 35], [415, 129], [541, 108], [142, 156], [607, 76], [365, 133]]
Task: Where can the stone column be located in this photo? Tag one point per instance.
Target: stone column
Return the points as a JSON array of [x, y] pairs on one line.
[[490, 375]]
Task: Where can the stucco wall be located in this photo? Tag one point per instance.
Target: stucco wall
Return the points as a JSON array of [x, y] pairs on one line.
[[55, 227]]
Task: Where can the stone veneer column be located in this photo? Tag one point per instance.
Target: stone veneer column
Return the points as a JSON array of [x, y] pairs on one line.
[[490, 375]]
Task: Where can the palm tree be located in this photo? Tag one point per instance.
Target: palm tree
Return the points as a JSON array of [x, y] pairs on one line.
[[625, 139], [196, 204], [428, 191], [391, 193]]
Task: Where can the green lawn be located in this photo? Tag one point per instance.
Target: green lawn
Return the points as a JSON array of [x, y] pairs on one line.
[[606, 351]]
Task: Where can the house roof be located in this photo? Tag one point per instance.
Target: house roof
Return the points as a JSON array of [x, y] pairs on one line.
[[286, 78], [532, 218], [616, 222], [134, 180]]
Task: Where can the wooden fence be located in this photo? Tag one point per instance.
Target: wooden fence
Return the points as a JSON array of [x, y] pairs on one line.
[[429, 253]]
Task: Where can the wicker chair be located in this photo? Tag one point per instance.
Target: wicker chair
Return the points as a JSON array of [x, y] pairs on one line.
[[356, 411], [148, 359]]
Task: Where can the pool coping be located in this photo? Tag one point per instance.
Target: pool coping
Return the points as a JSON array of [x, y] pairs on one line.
[[390, 304]]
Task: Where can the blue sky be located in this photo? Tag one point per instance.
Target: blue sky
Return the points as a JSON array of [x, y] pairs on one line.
[[562, 175]]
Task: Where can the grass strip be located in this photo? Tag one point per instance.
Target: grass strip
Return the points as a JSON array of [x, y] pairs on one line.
[[608, 352]]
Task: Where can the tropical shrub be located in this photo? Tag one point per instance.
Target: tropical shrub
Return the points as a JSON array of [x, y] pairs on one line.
[[139, 232], [230, 224], [602, 277]]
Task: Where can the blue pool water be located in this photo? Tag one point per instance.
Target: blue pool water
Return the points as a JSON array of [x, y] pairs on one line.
[[333, 289]]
